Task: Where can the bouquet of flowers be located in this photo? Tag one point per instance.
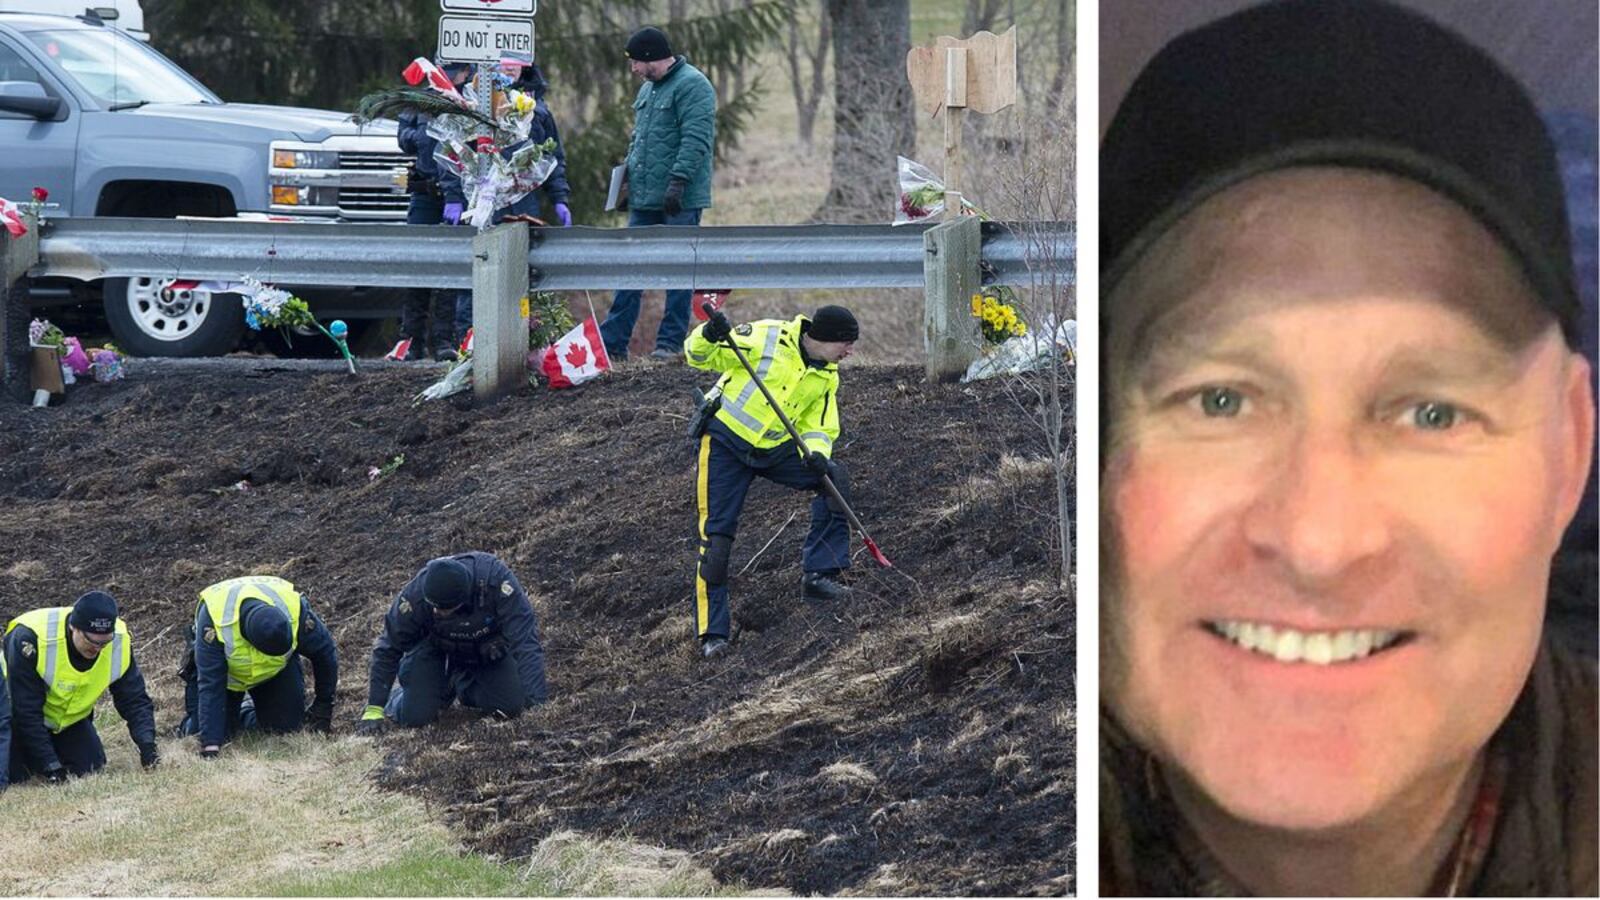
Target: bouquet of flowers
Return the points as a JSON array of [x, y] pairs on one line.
[[548, 319], [922, 195], [266, 306], [43, 334], [995, 308], [107, 364], [491, 154], [492, 177]]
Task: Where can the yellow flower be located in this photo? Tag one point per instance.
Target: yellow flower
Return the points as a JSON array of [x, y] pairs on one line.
[[977, 305]]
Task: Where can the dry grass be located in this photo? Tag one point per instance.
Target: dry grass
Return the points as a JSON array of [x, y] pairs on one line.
[[153, 833]]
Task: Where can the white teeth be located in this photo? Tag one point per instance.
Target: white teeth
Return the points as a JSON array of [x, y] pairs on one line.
[[1288, 649], [1318, 648]]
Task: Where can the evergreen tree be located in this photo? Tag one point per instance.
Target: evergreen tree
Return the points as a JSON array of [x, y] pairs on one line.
[[328, 53]]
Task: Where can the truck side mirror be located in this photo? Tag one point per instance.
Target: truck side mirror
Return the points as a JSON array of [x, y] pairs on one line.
[[29, 99]]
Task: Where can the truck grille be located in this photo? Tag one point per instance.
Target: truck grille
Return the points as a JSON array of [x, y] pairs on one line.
[[360, 202], [368, 160]]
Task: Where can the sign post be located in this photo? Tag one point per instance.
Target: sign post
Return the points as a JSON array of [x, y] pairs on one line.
[[957, 74]]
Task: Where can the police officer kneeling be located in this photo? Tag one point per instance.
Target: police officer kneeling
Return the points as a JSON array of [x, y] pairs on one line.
[[249, 635], [60, 660], [461, 629]]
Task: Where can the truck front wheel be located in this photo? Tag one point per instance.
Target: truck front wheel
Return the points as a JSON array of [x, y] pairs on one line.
[[150, 317]]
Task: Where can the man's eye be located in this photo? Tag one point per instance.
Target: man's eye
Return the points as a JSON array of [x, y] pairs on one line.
[[1220, 402], [1434, 416]]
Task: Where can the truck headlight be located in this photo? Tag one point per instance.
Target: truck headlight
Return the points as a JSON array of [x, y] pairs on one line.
[[305, 159], [299, 195]]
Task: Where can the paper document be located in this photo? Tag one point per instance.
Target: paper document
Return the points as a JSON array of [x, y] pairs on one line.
[[619, 186]]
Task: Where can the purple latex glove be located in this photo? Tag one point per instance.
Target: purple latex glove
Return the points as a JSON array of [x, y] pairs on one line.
[[452, 213], [564, 214]]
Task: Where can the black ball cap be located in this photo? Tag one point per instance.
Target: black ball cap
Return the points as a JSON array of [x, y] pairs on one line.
[[648, 45], [266, 628], [1355, 83], [446, 584], [95, 613], [834, 323]]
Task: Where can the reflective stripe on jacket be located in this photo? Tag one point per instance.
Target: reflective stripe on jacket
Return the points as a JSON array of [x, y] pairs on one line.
[[247, 666], [71, 694], [808, 395]]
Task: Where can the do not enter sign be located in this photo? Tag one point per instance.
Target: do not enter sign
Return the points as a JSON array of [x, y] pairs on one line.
[[481, 39]]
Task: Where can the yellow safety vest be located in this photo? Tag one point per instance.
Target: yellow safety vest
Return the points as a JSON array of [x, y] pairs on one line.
[[70, 695], [809, 396], [247, 666]]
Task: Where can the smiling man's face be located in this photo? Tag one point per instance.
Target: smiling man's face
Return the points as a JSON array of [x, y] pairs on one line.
[[1345, 444]]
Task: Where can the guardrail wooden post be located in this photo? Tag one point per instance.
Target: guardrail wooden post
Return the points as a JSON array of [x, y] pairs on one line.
[[950, 267], [17, 256], [499, 327]]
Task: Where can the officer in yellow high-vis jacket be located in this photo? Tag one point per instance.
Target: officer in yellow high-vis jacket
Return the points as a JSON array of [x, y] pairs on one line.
[[798, 361], [249, 635], [59, 662]]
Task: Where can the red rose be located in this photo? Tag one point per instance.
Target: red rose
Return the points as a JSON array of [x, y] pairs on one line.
[[40, 195]]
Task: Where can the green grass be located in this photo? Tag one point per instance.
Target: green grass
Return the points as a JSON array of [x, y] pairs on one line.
[[286, 816], [431, 874]]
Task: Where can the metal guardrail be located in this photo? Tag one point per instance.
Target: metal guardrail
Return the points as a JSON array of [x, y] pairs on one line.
[[731, 257]]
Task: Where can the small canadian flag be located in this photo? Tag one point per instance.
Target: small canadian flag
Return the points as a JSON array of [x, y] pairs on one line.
[[579, 356], [11, 218]]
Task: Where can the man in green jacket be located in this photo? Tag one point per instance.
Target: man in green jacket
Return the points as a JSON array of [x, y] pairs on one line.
[[669, 174]]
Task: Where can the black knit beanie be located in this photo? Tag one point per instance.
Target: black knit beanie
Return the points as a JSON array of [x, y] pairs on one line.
[[266, 628], [1355, 83], [833, 323], [95, 612], [648, 45], [446, 583]]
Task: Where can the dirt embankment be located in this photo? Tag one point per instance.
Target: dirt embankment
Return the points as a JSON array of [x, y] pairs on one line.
[[915, 740]]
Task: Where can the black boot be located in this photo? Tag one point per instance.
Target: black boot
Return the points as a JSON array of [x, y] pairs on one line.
[[713, 647], [822, 587]]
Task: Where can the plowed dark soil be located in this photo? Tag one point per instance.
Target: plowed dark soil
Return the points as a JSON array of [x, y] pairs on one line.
[[917, 739]]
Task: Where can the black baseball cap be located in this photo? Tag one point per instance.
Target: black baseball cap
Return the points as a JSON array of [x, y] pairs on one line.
[[1352, 83]]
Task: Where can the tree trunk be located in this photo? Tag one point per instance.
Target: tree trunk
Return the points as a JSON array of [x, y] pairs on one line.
[[806, 64], [872, 106]]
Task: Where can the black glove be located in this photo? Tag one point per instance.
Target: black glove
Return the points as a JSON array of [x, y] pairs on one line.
[[58, 775], [319, 718], [717, 328], [492, 651], [209, 752], [818, 463], [149, 756], [673, 203]]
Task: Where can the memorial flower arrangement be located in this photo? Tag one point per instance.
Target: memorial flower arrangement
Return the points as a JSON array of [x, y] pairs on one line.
[[922, 195], [995, 308], [490, 154], [266, 306]]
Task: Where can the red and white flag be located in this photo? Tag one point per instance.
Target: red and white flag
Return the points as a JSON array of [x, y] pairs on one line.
[[422, 69], [11, 218], [579, 356]]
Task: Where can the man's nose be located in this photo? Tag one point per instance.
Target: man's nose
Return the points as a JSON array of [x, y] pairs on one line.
[[1318, 513]]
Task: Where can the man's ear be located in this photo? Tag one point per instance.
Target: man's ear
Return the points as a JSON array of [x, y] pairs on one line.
[[1578, 415]]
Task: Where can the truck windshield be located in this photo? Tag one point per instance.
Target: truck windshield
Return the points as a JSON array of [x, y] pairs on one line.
[[117, 70]]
